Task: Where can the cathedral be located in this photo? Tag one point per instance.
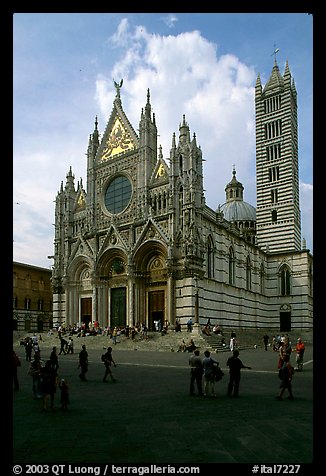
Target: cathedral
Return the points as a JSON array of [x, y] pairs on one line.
[[138, 244]]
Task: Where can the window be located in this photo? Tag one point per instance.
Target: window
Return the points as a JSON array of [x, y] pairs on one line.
[[210, 258], [27, 303], [262, 279], [231, 266], [118, 194], [285, 284], [248, 274]]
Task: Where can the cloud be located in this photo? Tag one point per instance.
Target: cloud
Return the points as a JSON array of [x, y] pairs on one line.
[[170, 20], [186, 76]]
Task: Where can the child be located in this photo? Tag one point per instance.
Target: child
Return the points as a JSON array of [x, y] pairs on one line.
[[64, 387]]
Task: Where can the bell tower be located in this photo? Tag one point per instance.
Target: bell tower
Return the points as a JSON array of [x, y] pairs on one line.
[[277, 171]]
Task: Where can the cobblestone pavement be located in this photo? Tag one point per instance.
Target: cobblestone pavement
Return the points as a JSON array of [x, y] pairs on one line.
[[149, 417]]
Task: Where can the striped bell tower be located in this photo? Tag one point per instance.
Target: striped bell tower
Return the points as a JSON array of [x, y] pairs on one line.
[[277, 171]]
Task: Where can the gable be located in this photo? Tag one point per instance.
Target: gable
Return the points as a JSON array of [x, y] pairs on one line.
[[119, 136]]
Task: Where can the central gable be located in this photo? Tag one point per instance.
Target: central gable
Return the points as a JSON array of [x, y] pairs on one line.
[[119, 136]]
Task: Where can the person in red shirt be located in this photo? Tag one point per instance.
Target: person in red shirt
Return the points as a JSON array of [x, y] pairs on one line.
[[299, 348]]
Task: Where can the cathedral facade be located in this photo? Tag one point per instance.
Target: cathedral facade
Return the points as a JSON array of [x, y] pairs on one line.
[[140, 245]]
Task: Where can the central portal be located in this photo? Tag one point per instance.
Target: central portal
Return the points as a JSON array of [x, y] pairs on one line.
[[156, 310], [118, 307]]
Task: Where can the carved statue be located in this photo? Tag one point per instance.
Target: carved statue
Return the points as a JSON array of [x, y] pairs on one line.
[[118, 87]]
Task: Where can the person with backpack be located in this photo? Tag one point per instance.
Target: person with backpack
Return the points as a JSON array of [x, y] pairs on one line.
[[285, 374], [107, 359]]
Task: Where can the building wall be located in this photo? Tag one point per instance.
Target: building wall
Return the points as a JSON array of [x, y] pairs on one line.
[[32, 297]]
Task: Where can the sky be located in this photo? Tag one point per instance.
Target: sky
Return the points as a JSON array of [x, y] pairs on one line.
[[203, 65]]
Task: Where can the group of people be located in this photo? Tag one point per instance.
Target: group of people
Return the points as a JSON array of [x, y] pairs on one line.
[[205, 372], [286, 369], [45, 380]]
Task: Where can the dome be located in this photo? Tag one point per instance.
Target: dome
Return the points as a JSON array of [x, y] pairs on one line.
[[235, 208], [238, 210]]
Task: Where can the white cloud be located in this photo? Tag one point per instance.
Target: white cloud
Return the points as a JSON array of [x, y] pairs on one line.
[[186, 76], [170, 20]]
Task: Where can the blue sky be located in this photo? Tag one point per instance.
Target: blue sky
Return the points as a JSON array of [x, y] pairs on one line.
[[203, 65]]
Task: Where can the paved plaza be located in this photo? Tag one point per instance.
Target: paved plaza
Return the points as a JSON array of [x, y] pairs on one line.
[[147, 416]]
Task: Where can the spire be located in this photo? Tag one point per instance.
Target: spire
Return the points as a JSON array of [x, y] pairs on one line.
[[275, 81], [148, 105], [258, 87], [287, 74], [96, 133], [160, 154], [173, 141], [184, 134], [70, 180]]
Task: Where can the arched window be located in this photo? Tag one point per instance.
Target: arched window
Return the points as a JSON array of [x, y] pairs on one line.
[[285, 281], [210, 258], [231, 266], [248, 274]]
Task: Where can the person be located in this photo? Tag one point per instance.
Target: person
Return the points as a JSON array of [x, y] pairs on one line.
[[287, 344], [63, 345], [265, 339], [64, 396], [235, 365], [217, 330], [196, 373], [83, 363], [114, 335], [54, 360], [29, 349], [189, 325], [287, 372], [299, 348], [35, 373], [209, 376], [108, 360], [15, 364], [48, 384], [206, 330], [182, 346], [281, 354], [232, 344], [177, 326], [70, 346], [191, 346]]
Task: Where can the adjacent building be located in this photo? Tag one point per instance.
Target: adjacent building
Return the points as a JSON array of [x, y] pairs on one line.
[[138, 243], [32, 298]]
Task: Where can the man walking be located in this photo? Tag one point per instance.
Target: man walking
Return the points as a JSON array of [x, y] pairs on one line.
[[83, 363]]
